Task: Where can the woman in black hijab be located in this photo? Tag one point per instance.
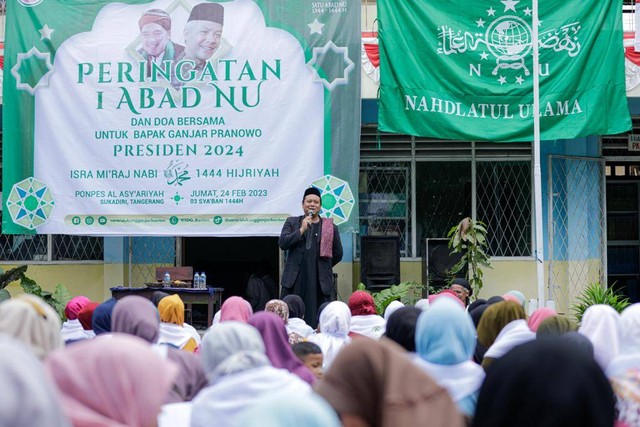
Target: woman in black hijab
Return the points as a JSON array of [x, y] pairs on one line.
[[401, 327], [545, 383]]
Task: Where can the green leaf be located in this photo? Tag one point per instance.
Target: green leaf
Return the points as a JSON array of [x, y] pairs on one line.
[[30, 286], [4, 295], [361, 287], [595, 293], [12, 275], [60, 298]]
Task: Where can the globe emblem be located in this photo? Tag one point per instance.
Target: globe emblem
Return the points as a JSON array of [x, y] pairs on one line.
[[508, 38]]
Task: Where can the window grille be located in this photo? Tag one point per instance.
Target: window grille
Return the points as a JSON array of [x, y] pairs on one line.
[[444, 190]]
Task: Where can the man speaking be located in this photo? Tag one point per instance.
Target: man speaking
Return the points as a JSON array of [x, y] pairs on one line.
[[313, 247]]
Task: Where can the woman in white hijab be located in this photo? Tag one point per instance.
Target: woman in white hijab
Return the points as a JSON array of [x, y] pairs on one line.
[[601, 324], [392, 308], [629, 356], [335, 321], [239, 374], [30, 398], [33, 322], [624, 370]]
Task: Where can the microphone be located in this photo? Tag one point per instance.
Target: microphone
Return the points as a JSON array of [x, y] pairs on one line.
[[308, 232]]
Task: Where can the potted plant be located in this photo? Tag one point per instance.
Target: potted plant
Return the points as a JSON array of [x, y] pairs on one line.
[[594, 294], [469, 238], [57, 299]]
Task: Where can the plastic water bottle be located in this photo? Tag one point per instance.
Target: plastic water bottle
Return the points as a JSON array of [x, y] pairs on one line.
[[196, 281], [203, 280], [166, 280]]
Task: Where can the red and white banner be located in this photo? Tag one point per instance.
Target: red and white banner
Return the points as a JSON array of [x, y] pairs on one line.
[[370, 55]]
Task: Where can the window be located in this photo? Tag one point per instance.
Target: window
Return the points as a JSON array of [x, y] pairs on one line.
[[42, 247], [449, 180], [384, 201]]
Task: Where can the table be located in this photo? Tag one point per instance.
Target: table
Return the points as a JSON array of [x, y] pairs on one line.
[[210, 296]]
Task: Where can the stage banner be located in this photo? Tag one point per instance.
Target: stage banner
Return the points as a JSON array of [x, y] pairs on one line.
[[178, 117], [455, 71]]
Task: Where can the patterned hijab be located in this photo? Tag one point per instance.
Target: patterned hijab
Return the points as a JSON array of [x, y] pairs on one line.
[[171, 310], [74, 306], [30, 399], [237, 309], [278, 307], [135, 315], [33, 322], [114, 381], [377, 382], [276, 342]]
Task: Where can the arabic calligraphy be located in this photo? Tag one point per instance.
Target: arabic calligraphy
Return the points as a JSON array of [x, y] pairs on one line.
[[176, 173], [452, 41], [564, 38]]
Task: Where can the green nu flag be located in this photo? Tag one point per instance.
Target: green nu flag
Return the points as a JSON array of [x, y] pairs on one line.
[[465, 71]]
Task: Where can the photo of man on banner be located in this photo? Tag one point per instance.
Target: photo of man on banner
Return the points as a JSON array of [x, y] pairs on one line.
[[155, 31], [203, 36]]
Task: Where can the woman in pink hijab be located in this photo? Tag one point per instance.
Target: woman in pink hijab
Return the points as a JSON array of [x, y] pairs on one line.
[[72, 329], [115, 381], [235, 308], [538, 316]]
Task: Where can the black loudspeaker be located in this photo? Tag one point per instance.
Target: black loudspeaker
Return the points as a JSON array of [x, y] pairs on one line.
[[379, 261], [437, 261]]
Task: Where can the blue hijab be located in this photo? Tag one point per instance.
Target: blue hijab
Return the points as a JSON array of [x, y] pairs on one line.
[[445, 334], [291, 410], [101, 320]]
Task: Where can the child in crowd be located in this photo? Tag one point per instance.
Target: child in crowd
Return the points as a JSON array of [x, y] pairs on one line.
[[311, 356]]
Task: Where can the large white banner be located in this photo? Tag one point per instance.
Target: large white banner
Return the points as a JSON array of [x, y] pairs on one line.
[[180, 118]]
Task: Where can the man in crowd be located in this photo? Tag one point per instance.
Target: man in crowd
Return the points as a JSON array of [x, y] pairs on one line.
[[462, 289]]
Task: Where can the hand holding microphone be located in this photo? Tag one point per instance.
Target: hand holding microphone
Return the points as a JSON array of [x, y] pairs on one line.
[[306, 221]]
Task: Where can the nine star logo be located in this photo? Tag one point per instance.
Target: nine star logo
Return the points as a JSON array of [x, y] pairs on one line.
[[505, 34]]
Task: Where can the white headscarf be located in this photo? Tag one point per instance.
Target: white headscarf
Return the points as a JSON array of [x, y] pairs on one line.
[[422, 304], [239, 374], [391, 308], [601, 324], [369, 325], [33, 322], [231, 347], [299, 326], [29, 398], [629, 356], [335, 321], [513, 334], [72, 330]]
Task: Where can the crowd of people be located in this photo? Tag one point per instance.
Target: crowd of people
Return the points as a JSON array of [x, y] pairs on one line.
[[443, 362]]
